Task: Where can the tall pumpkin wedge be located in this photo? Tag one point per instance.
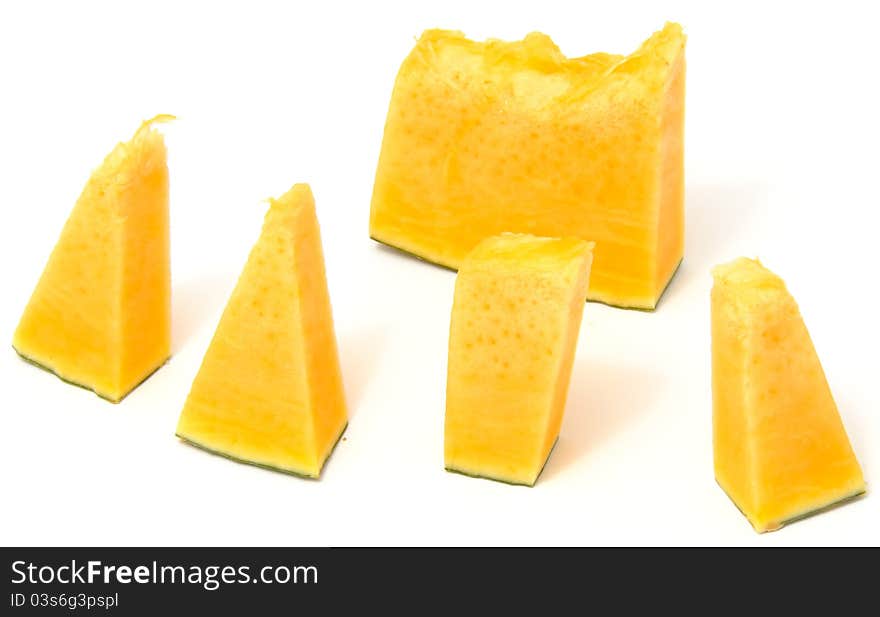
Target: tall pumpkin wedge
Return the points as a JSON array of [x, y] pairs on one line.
[[100, 315], [269, 391], [512, 336], [781, 451]]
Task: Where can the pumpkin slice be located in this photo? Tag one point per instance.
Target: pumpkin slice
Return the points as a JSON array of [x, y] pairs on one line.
[[781, 451], [485, 138], [100, 315], [515, 320], [269, 391]]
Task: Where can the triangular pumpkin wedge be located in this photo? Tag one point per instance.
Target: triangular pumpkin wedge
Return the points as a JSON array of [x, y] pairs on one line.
[[781, 451], [269, 391], [100, 315]]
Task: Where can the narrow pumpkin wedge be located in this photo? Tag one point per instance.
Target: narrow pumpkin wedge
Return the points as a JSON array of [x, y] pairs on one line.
[[100, 315], [485, 138], [515, 320], [781, 451], [269, 391]]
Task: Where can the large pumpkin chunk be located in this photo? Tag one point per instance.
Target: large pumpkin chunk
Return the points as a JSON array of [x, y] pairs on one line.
[[485, 138], [100, 315], [269, 391], [781, 451], [515, 320]]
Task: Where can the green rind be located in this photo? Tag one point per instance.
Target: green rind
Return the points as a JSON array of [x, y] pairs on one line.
[[52, 371], [802, 515], [831, 506], [640, 309], [502, 480], [662, 292], [243, 461], [410, 254]]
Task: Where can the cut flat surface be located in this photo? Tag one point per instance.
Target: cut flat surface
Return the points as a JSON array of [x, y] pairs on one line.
[[100, 315], [515, 321], [781, 451], [485, 138], [269, 390]]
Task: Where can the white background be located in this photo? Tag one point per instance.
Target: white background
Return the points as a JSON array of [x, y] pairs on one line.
[[782, 163]]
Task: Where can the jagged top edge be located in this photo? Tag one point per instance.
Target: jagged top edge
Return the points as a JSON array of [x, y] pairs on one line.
[[537, 51]]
